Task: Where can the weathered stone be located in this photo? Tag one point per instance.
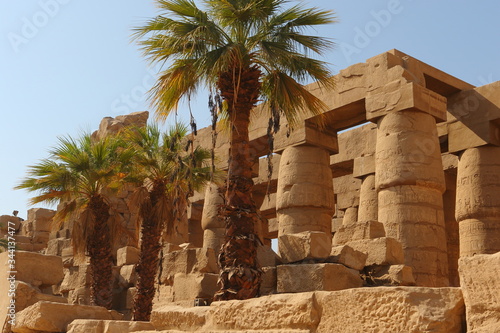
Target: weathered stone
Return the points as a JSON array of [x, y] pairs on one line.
[[111, 125], [41, 218], [350, 216], [80, 295], [269, 281], [38, 267], [368, 200], [358, 231], [395, 275], [127, 255], [128, 276], [55, 246], [190, 260], [481, 288], [295, 247], [391, 309], [348, 257], [347, 190], [7, 221], [107, 326], [55, 317], [129, 298], [76, 277], [266, 256], [213, 238], [179, 318], [328, 277], [194, 285], [295, 311], [27, 295], [381, 251], [214, 198]]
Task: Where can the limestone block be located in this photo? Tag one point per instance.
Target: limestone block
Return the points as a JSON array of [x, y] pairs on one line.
[[194, 285], [301, 219], [55, 317], [356, 142], [290, 311], [408, 151], [392, 309], [190, 260], [41, 236], [38, 267], [336, 224], [27, 295], [400, 96], [111, 125], [269, 281], [368, 200], [309, 134], [348, 257], [127, 255], [41, 218], [55, 246], [213, 238], [76, 277], [481, 288], [80, 295], [364, 166], [107, 326], [347, 188], [310, 277], [296, 247], [395, 275], [128, 276], [350, 216], [174, 317], [266, 256], [381, 251], [358, 231], [7, 221]]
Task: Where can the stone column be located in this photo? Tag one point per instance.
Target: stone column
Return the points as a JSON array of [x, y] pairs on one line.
[[304, 203], [212, 224], [452, 233], [368, 200], [478, 201], [410, 179]]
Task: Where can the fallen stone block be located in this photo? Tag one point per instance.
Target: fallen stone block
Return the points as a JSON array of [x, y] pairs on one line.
[[393, 275], [107, 326], [311, 277], [479, 280], [55, 317], [347, 256], [38, 269], [27, 295], [358, 231], [127, 255], [392, 309], [189, 260], [194, 285], [80, 296], [304, 245], [172, 317], [75, 277], [381, 251]]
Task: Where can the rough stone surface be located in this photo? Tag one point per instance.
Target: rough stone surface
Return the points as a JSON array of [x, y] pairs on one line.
[[358, 231], [127, 255], [348, 257], [393, 275], [55, 317], [479, 279], [310, 277], [190, 260], [177, 317], [295, 247], [107, 326], [381, 251], [32, 267], [194, 285]]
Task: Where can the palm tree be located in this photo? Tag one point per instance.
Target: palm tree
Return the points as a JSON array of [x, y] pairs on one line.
[[165, 175], [78, 173], [244, 51]]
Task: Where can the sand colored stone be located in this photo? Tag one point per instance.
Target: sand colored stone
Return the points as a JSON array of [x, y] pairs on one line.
[[380, 251], [304, 245], [107, 326], [348, 257], [358, 231], [368, 200]]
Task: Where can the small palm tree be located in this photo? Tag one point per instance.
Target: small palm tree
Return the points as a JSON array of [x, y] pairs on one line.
[[244, 51], [165, 175], [78, 173]]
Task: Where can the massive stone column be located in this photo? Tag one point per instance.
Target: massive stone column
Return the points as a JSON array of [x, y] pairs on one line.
[[212, 224], [368, 200], [409, 177], [452, 233], [304, 203], [478, 201]]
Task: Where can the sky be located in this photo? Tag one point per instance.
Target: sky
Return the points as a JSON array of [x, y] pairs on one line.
[[66, 64]]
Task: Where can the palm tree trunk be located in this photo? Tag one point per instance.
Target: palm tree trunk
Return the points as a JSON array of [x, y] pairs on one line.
[[101, 261], [240, 274], [147, 267]]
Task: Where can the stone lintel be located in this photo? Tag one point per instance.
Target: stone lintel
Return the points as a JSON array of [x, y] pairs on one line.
[[399, 96], [309, 134], [364, 166], [464, 136]]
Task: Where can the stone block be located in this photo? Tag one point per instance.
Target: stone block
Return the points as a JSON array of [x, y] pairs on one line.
[[194, 285], [27, 295], [348, 257], [310, 134], [336, 224], [266, 256], [129, 298], [272, 228], [76, 277], [381, 251], [189, 260], [400, 96], [108, 326], [311, 277], [269, 281], [47, 270], [80, 295], [300, 246], [391, 309], [273, 312], [358, 231], [393, 275], [7, 221], [41, 236], [174, 317], [481, 289], [127, 255], [128, 276], [363, 166], [347, 189], [55, 317], [55, 246]]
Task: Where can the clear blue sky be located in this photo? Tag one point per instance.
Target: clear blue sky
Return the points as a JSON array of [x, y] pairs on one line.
[[66, 64]]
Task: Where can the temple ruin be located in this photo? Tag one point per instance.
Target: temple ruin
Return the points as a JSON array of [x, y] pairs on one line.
[[385, 211]]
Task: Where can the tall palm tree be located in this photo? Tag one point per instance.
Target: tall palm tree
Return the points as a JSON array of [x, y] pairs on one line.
[[166, 175], [78, 173], [244, 51]]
